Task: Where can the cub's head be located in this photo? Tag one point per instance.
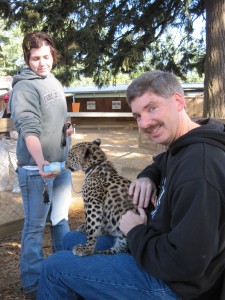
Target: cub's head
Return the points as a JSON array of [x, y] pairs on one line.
[[83, 155]]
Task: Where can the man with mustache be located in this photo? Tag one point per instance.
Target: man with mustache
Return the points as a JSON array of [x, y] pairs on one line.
[[178, 250]]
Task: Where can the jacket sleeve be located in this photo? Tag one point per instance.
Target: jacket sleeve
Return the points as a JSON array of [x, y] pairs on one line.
[[182, 248], [25, 109]]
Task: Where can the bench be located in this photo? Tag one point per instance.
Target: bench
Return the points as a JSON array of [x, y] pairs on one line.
[[100, 114], [105, 115]]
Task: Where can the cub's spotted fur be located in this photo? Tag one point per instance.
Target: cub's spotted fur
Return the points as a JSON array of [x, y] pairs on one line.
[[105, 195]]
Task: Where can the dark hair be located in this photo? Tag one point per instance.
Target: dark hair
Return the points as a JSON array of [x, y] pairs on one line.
[[36, 40], [161, 83]]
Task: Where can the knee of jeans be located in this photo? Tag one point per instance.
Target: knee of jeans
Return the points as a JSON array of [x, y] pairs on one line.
[[48, 263], [67, 241], [73, 238], [52, 261], [36, 225]]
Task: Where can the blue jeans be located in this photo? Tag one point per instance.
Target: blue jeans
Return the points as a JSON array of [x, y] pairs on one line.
[[97, 277], [35, 215]]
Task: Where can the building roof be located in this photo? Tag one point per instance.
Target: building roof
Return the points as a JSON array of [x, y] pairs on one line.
[[119, 90]]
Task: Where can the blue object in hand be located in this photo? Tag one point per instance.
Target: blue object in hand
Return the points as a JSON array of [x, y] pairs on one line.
[[55, 167]]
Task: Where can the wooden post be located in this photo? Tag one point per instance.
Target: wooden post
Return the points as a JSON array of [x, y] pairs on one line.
[[6, 124]]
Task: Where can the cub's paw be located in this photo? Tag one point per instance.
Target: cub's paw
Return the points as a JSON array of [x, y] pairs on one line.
[[82, 250], [103, 231]]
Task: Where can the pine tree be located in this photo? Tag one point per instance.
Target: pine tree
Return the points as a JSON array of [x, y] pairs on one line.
[[101, 39]]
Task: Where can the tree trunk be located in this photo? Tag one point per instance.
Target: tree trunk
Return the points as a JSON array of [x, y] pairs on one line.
[[214, 92]]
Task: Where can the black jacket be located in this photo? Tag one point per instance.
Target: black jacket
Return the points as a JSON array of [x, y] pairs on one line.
[[184, 242]]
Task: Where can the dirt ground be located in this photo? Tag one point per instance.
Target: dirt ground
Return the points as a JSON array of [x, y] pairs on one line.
[[122, 149], [10, 255]]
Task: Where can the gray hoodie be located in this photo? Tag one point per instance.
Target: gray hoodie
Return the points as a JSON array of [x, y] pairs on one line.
[[38, 107]]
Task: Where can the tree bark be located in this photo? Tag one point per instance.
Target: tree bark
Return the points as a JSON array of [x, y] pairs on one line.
[[214, 92]]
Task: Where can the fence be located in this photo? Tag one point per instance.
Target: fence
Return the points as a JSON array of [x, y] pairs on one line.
[[11, 208], [194, 104]]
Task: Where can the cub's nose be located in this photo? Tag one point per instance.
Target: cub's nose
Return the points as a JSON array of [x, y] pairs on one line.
[[67, 165]]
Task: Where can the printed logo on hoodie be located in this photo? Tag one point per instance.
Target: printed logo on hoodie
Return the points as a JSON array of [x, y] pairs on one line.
[[52, 96], [161, 193]]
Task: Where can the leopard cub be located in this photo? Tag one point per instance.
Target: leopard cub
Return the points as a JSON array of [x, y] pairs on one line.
[[105, 195]]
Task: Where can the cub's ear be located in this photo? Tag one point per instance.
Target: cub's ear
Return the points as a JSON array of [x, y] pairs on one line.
[[87, 153], [97, 142]]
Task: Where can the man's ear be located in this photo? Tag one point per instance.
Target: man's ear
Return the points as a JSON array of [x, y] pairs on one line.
[[180, 101]]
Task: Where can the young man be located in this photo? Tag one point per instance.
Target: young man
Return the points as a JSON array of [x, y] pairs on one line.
[[178, 251]]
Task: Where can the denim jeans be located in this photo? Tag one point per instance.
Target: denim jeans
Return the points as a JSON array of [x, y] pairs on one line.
[[35, 215], [97, 277]]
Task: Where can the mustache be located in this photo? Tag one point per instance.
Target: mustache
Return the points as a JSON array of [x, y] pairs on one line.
[[151, 128], [147, 130]]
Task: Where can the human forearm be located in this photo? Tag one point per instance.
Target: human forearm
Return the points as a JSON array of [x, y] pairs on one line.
[[34, 147]]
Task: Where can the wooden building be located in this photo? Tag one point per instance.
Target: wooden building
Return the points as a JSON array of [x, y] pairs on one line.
[[112, 99], [93, 99]]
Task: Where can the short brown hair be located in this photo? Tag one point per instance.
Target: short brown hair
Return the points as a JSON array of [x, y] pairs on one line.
[[36, 40], [158, 82]]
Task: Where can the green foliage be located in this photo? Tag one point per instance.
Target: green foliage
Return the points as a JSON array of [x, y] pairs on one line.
[[11, 57], [101, 39]]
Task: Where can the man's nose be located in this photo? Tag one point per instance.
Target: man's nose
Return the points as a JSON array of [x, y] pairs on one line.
[[144, 121]]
